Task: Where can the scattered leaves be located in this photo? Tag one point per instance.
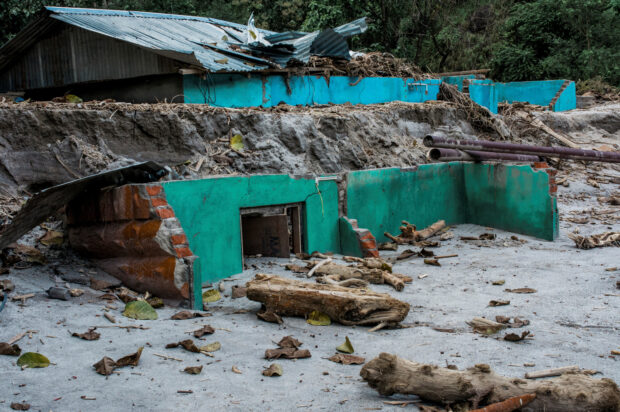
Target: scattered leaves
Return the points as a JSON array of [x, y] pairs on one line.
[[513, 337], [318, 319], [211, 295], [485, 326], [186, 314], [273, 370], [521, 290], [139, 309], [90, 335], [33, 360], [9, 350], [269, 316], [211, 347], [516, 323], [499, 302], [105, 366], [187, 344], [289, 342], [346, 347], [52, 238], [205, 330], [20, 406], [155, 302], [406, 254], [130, 360], [236, 370], [193, 370], [499, 282], [287, 353], [347, 359]]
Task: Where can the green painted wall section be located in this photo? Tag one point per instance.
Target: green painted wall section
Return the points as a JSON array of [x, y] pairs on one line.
[[512, 198], [208, 210], [349, 242], [380, 199]]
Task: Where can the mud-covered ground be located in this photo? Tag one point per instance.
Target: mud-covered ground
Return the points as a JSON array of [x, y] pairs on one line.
[[573, 314]]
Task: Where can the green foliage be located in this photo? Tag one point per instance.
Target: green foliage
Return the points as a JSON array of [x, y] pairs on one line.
[[518, 39], [575, 39]]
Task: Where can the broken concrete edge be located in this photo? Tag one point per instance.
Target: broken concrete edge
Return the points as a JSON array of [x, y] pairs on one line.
[[151, 235]]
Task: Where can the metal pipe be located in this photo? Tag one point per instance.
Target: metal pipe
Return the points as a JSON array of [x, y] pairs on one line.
[[501, 147], [448, 155]]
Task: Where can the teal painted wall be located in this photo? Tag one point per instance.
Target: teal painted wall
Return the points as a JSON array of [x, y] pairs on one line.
[[513, 198], [380, 199], [567, 100], [457, 80], [208, 210], [233, 90], [484, 92], [349, 242]]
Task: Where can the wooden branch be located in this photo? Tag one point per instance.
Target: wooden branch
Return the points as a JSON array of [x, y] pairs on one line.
[[390, 374], [289, 297], [551, 372]]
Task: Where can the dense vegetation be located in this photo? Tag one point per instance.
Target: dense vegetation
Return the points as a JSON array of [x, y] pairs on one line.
[[517, 39]]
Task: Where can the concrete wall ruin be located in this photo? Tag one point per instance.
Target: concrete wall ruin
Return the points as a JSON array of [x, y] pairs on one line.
[[172, 238]]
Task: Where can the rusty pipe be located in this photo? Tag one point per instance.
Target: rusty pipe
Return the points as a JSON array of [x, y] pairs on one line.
[[514, 148], [449, 155]]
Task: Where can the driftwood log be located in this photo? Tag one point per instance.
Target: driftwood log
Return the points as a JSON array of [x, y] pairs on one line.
[[410, 235], [290, 297], [369, 270], [390, 374]]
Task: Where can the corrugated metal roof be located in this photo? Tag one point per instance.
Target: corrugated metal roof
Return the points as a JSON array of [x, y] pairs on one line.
[[200, 41]]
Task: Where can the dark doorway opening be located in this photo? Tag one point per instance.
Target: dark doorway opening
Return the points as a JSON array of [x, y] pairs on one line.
[[272, 230]]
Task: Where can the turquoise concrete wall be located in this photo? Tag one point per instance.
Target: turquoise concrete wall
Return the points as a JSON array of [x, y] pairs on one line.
[[457, 80], [567, 100], [232, 90], [349, 242], [208, 210], [513, 198], [380, 199], [484, 92]]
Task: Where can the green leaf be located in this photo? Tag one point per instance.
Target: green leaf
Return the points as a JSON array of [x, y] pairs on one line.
[[33, 360], [236, 142], [139, 309], [346, 347], [211, 347], [211, 295], [319, 319]]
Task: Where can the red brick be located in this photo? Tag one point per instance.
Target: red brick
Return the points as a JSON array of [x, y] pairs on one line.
[[371, 253], [540, 165], [368, 244], [165, 212], [553, 189], [183, 251], [367, 236], [158, 201], [179, 239], [154, 190]]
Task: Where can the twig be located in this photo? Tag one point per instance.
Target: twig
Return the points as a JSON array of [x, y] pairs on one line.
[[551, 372], [168, 357], [110, 317], [123, 327], [318, 265], [378, 327]]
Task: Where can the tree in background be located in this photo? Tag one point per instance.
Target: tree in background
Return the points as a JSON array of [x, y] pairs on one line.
[[574, 39]]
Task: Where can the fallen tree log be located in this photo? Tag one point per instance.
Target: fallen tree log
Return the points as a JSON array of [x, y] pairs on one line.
[[370, 270], [410, 235], [390, 374], [290, 297]]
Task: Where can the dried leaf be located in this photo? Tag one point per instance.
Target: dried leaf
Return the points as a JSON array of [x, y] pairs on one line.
[[211, 347], [187, 344], [273, 370], [52, 238], [318, 319], [105, 366], [426, 253], [211, 295], [297, 268], [513, 337], [186, 314], [406, 254], [269, 316], [99, 284], [289, 342], [499, 302], [287, 353], [193, 370], [485, 326], [130, 360], [155, 302], [521, 290], [499, 282], [76, 292], [139, 309], [90, 335], [33, 360], [236, 370], [347, 359], [346, 347], [9, 350], [20, 406], [487, 236], [388, 246], [205, 330]]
